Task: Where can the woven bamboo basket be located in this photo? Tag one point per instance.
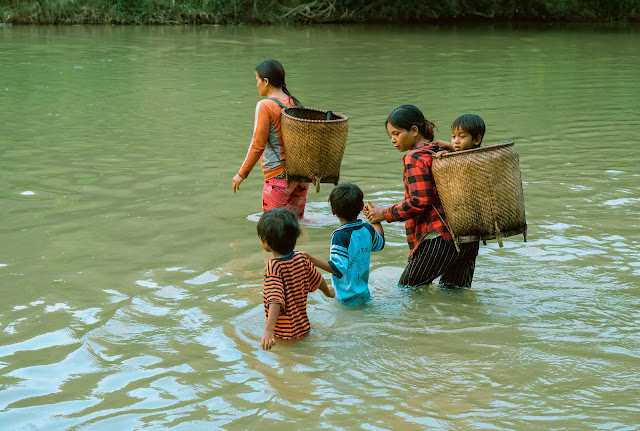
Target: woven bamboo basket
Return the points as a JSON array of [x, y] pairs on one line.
[[314, 142], [481, 192]]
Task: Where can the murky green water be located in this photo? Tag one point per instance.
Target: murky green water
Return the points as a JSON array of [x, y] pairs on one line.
[[131, 275]]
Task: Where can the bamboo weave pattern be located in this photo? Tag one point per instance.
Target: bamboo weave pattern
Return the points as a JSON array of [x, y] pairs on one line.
[[481, 192], [313, 145]]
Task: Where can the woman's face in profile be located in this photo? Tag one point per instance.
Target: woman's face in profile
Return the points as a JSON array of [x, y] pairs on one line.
[[403, 140], [262, 85]]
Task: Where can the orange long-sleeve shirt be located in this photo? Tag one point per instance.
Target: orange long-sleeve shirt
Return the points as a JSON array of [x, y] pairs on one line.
[[266, 143]]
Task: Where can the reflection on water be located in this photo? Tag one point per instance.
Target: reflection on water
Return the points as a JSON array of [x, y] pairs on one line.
[[132, 276]]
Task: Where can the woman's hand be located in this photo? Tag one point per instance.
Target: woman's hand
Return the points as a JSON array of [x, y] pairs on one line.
[[373, 213], [236, 182]]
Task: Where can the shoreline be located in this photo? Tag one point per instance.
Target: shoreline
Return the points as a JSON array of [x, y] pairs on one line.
[[238, 12]]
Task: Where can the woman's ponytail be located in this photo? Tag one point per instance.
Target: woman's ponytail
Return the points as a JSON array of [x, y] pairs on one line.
[[296, 101], [428, 130]]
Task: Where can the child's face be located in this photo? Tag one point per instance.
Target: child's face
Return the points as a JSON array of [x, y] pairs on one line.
[[403, 140], [265, 246], [462, 140]]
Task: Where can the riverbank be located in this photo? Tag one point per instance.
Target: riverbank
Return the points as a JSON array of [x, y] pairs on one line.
[[311, 12]]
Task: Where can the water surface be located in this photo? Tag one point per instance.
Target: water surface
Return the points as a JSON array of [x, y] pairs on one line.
[[131, 275]]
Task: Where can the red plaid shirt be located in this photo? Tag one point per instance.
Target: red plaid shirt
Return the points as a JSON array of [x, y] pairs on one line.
[[420, 193]]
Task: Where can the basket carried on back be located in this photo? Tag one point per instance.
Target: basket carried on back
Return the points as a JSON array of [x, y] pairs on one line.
[[481, 192], [314, 142]]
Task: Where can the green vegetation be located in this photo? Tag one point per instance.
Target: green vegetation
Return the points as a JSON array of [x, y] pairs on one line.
[[316, 11]]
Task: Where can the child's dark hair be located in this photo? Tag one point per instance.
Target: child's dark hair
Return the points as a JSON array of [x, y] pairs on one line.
[[279, 229], [273, 70], [470, 123], [406, 116], [346, 201]]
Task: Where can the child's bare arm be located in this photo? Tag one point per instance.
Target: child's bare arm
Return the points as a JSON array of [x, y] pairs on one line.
[[444, 145], [319, 263], [327, 290], [268, 339], [378, 228]]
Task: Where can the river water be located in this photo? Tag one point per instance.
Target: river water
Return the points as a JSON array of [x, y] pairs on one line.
[[131, 275]]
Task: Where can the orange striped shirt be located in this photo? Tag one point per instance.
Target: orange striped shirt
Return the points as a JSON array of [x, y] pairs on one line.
[[287, 281]]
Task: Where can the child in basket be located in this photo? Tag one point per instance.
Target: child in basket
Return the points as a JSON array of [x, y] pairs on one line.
[[351, 246], [288, 279], [467, 132]]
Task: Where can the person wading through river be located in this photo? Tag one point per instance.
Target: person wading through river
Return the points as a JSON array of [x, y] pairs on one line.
[[266, 144]]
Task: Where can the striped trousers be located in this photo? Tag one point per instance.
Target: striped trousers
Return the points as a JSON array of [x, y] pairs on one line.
[[438, 258]]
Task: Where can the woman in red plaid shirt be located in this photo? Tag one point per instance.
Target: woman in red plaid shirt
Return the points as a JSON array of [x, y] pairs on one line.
[[432, 252]]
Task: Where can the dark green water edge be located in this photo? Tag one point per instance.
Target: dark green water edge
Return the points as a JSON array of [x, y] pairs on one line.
[[312, 12]]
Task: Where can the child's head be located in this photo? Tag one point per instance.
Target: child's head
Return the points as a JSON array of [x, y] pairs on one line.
[[279, 230], [346, 201], [407, 126], [467, 132]]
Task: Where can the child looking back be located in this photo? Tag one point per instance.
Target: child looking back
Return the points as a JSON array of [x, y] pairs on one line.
[[288, 279], [467, 132], [351, 246]]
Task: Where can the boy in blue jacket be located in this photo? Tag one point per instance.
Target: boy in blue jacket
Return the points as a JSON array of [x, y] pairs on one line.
[[351, 246]]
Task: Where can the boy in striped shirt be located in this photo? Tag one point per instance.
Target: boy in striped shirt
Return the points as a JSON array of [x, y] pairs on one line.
[[288, 279], [351, 246]]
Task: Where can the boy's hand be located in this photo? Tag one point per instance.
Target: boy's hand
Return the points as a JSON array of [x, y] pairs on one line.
[[328, 291], [268, 340], [373, 213], [444, 145]]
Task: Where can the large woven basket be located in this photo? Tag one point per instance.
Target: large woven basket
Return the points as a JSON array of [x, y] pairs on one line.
[[313, 144], [481, 192]]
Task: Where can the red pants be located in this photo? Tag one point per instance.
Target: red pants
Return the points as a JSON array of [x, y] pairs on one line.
[[278, 194]]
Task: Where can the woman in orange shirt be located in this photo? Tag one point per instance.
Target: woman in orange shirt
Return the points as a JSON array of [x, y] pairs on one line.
[[266, 144]]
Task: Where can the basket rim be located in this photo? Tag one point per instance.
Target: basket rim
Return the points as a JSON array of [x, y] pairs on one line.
[[489, 236], [324, 111], [476, 150]]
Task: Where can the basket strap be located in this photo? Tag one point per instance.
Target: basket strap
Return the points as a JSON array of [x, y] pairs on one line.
[[431, 153], [455, 238], [278, 102]]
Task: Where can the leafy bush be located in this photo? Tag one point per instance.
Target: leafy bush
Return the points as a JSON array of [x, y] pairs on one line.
[[316, 11]]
